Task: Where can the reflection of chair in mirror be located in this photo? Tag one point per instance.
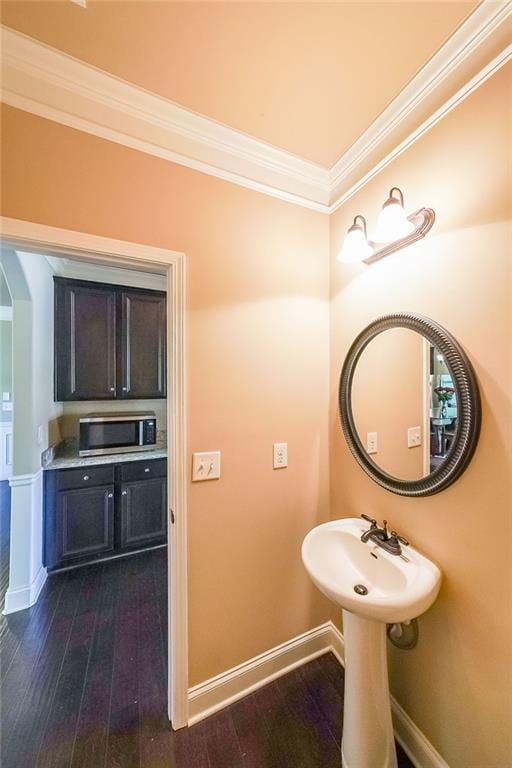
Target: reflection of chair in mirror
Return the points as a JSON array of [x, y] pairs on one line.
[[449, 435]]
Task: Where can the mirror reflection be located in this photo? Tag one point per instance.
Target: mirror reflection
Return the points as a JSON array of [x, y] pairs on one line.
[[404, 404]]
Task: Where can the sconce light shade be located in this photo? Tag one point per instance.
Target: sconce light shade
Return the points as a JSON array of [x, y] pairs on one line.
[[356, 246], [393, 223]]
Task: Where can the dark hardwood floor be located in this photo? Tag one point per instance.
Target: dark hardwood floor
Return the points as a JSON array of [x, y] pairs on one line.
[[84, 686], [5, 537]]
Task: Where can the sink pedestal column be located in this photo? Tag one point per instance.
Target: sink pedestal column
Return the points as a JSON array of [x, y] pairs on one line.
[[368, 740]]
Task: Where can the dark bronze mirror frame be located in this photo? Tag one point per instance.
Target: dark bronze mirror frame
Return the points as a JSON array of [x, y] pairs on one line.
[[468, 405]]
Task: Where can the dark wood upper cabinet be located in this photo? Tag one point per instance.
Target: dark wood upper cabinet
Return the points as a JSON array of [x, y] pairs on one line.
[[143, 344], [110, 341], [85, 341]]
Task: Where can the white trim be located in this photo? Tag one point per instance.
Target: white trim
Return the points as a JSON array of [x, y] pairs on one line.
[[5, 313], [82, 270], [24, 597], [230, 686], [479, 79], [20, 480], [42, 239], [484, 20], [216, 693], [58, 87]]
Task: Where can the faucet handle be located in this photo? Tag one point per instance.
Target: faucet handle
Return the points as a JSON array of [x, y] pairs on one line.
[[400, 538], [385, 528], [370, 520]]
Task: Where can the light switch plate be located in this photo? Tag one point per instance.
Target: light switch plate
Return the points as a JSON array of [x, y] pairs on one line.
[[280, 455], [205, 466], [6, 406], [6, 396], [413, 437], [371, 442]]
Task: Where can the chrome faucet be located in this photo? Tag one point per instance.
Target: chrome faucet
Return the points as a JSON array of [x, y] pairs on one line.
[[391, 542]]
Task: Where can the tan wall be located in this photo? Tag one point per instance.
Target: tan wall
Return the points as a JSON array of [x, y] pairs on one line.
[[456, 684], [387, 398], [258, 314]]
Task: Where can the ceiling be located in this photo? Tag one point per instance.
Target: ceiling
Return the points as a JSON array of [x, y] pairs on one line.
[[306, 77]]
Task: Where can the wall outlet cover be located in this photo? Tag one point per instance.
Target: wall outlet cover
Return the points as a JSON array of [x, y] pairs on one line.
[[280, 455], [371, 442], [413, 437]]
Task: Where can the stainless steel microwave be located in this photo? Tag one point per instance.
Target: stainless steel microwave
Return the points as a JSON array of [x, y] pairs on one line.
[[105, 433]]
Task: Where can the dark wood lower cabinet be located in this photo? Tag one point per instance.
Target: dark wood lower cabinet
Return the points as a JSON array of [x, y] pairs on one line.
[[85, 521], [143, 512]]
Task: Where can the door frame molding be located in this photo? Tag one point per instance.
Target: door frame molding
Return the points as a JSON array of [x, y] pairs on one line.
[[46, 240]]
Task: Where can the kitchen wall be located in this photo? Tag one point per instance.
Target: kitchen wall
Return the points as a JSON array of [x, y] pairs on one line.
[[257, 365], [456, 684]]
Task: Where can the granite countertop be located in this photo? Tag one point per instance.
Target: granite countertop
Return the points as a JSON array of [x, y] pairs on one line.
[[65, 456]]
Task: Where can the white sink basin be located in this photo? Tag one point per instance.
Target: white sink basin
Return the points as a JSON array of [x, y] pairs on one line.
[[399, 587]]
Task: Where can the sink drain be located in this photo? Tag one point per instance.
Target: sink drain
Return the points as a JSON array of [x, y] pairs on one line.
[[361, 589]]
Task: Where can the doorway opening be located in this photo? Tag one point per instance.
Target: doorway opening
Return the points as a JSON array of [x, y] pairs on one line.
[[152, 576]]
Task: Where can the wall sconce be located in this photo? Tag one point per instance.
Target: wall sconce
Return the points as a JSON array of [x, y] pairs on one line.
[[395, 230]]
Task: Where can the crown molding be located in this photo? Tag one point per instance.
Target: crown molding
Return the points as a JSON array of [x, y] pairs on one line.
[[444, 65], [53, 85], [479, 79], [58, 87]]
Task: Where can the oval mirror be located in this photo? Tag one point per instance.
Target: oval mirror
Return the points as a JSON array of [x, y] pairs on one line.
[[409, 404]]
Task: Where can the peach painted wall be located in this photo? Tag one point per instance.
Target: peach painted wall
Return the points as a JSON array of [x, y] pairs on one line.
[[387, 398], [456, 685], [258, 365]]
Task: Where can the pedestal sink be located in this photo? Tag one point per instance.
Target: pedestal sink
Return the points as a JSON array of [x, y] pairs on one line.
[[374, 588]]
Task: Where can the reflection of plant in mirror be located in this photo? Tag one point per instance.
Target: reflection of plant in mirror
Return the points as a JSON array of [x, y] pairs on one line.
[[444, 394]]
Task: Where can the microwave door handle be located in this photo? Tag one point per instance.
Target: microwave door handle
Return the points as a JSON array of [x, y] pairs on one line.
[[141, 432]]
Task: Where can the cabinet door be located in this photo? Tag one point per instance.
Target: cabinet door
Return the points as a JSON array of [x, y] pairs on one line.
[[84, 522], [143, 512], [143, 344], [85, 341]]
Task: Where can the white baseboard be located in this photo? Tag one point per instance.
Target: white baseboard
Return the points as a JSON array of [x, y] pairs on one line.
[[24, 597], [226, 688], [217, 692]]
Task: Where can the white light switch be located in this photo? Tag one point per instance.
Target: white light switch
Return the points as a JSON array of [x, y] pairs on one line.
[[413, 437], [371, 442], [206, 466], [6, 396], [280, 455]]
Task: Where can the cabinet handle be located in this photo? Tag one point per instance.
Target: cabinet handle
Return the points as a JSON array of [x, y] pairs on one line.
[[125, 389], [110, 495], [124, 493], [112, 389], [86, 477], [146, 469]]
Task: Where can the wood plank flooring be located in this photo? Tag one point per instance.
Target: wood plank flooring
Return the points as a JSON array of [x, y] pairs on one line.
[[84, 686]]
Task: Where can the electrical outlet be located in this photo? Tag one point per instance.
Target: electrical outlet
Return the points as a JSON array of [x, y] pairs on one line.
[[280, 455], [371, 442], [206, 466], [413, 437]]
